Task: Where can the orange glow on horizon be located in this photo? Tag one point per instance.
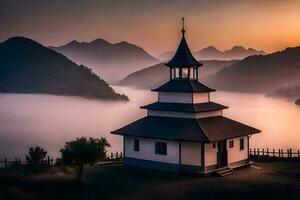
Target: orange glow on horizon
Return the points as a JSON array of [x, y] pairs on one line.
[[268, 25]]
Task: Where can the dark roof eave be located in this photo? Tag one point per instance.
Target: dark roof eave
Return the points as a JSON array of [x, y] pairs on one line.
[[226, 107], [188, 140], [182, 107], [184, 86], [183, 66], [202, 130], [161, 90], [251, 133], [160, 138]]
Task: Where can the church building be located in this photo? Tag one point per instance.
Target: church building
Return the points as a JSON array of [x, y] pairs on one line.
[[184, 130]]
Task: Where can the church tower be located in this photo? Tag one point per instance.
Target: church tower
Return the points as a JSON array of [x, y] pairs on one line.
[[184, 131]]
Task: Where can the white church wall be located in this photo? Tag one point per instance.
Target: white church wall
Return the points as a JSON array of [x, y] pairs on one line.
[[210, 154], [183, 97], [209, 114], [234, 153], [147, 150], [200, 97], [171, 114], [175, 97], [191, 153]]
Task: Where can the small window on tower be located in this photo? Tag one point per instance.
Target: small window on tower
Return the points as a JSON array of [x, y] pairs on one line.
[[176, 72], [195, 73], [185, 72], [192, 74]]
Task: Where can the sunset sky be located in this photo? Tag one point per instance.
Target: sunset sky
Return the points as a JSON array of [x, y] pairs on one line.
[[155, 24]]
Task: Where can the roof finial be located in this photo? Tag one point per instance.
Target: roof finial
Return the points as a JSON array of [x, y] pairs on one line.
[[183, 31]]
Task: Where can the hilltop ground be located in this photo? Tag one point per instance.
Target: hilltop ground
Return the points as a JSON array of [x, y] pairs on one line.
[[276, 180]]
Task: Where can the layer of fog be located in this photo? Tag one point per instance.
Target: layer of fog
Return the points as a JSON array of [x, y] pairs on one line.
[[50, 121]]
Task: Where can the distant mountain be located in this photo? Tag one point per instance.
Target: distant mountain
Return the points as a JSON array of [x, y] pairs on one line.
[[212, 53], [262, 73], [209, 53], [239, 52], [111, 61], [166, 56], [28, 67], [154, 76]]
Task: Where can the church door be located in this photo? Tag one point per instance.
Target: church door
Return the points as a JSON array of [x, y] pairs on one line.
[[222, 154]]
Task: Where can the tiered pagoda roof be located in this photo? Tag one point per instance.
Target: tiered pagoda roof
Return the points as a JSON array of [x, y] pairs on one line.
[[183, 56], [185, 107], [208, 129], [183, 85]]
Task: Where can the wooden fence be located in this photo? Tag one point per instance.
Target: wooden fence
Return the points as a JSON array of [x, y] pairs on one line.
[[279, 153], [51, 161]]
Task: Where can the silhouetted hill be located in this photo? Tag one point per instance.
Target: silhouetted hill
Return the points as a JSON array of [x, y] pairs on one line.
[[297, 101], [212, 53], [154, 76], [259, 73], [28, 67], [290, 91], [111, 61]]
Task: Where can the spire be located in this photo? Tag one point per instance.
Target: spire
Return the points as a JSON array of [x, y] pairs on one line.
[[183, 57], [183, 31]]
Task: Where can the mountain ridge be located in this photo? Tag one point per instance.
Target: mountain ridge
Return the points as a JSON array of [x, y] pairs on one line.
[[212, 53], [113, 61], [260, 73], [156, 75], [28, 67]]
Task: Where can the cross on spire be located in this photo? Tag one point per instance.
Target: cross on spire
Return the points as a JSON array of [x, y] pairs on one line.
[[183, 31]]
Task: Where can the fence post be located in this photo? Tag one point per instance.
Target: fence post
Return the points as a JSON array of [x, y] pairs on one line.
[[258, 151], [117, 155], [280, 153], [273, 152], [121, 155], [48, 160], [5, 162], [111, 155], [254, 151], [267, 151], [263, 152]]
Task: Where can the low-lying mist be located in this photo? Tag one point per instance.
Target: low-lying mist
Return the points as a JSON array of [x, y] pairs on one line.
[[49, 121]]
